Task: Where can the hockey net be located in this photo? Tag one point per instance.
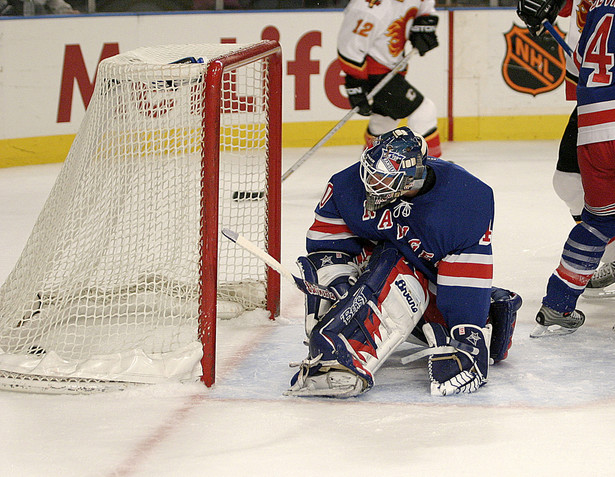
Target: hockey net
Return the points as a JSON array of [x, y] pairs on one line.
[[124, 273]]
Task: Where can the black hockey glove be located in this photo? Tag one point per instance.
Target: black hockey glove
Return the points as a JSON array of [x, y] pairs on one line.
[[357, 95], [423, 33], [534, 12]]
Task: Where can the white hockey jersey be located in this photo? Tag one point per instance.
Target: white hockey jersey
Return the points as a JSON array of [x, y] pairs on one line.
[[577, 11], [374, 33]]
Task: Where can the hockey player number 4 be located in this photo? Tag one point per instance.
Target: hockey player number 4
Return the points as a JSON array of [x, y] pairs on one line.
[[597, 55]]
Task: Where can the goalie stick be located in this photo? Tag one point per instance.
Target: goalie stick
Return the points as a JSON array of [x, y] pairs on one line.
[[381, 84], [309, 288]]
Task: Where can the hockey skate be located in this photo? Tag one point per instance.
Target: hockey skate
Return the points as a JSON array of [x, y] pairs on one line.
[[553, 323], [602, 284], [325, 379]]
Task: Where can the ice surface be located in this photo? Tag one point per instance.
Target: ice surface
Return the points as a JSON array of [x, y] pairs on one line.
[[549, 409]]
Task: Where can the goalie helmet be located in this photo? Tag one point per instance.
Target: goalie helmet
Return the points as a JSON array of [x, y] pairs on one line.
[[393, 166]]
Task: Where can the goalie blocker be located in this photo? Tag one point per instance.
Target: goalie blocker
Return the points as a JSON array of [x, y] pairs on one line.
[[378, 310]]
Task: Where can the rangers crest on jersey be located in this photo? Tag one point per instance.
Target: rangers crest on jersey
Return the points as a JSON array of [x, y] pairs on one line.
[[533, 65]]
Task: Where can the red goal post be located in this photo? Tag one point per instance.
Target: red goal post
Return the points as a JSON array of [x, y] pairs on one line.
[[214, 99]]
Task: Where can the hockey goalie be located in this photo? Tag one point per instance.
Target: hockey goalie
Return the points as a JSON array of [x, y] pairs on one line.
[[404, 242]]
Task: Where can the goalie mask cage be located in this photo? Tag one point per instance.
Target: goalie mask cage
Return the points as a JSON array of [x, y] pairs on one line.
[[124, 272]]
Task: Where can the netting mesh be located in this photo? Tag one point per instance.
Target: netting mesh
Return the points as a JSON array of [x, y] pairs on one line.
[[107, 286]]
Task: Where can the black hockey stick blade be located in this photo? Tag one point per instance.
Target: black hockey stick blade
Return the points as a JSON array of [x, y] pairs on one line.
[[240, 195]]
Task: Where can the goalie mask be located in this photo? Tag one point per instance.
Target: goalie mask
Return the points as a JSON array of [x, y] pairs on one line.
[[393, 166]]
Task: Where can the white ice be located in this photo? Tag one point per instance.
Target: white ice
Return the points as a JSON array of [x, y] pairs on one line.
[[549, 409]]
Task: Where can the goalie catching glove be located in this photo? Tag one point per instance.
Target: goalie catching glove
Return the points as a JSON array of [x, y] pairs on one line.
[[535, 12], [423, 33], [459, 362]]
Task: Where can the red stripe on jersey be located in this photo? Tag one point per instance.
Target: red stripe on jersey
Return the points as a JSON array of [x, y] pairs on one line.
[[464, 269], [368, 67], [579, 279], [596, 117], [326, 228]]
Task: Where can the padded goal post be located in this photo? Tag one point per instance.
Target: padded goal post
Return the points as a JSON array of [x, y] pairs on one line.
[[124, 275]]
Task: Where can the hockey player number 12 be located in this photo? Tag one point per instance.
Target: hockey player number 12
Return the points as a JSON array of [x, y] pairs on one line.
[[363, 29]]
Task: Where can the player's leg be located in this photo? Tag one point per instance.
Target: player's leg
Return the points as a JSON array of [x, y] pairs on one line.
[[585, 245], [567, 176], [378, 124], [579, 259], [568, 186], [597, 162], [398, 100], [354, 338], [425, 119]]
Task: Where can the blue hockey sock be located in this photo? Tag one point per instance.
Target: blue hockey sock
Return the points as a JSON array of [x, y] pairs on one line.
[[580, 258]]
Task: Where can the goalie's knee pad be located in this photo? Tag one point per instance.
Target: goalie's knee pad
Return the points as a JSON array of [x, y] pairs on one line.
[[336, 270], [459, 362], [363, 328], [502, 317]]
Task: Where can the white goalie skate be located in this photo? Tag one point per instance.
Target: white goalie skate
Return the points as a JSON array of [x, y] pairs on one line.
[[331, 380], [602, 284]]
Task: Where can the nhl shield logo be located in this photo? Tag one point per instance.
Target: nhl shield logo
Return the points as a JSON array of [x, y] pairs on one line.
[[533, 65]]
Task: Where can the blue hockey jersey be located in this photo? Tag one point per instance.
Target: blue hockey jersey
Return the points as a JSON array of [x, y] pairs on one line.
[[596, 87], [444, 233]]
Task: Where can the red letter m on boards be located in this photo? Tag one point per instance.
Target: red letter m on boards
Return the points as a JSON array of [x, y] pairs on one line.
[[74, 69]]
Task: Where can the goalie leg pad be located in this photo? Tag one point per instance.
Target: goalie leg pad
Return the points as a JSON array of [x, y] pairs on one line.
[[502, 317], [460, 361], [362, 329]]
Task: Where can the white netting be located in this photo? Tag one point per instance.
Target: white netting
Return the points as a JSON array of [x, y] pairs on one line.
[[107, 286]]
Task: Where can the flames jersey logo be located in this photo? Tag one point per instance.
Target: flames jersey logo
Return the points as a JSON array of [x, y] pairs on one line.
[[581, 16], [531, 65], [397, 32]]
